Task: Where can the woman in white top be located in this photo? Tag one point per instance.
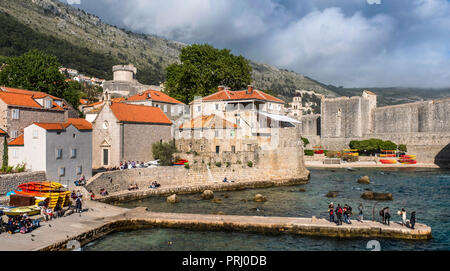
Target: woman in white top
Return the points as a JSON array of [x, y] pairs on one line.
[[403, 217]]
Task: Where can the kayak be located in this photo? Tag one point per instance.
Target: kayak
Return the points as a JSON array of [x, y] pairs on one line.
[[28, 210], [40, 186], [388, 161]]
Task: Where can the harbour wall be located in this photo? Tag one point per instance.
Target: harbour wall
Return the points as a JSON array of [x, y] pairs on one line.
[[10, 182]]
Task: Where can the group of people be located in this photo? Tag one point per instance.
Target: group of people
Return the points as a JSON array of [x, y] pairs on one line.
[[81, 181], [22, 224], [133, 187], [131, 164], [341, 213], [103, 192], [77, 197], [155, 184]]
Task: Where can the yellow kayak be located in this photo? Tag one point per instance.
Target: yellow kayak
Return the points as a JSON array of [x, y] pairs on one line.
[[28, 210]]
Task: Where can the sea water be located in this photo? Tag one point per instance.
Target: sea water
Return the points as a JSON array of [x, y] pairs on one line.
[[425, 191]]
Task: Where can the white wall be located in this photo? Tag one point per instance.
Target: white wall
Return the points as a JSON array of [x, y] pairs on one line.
[[34, 147], [16, 155]]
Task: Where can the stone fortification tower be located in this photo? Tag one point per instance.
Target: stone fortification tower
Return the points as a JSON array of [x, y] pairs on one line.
[[124, 73]]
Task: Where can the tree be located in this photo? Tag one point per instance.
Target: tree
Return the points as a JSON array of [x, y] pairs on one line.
[[305, 141], [38, 71], [402, 148], [202, 69], [164, 152], [5, 154]]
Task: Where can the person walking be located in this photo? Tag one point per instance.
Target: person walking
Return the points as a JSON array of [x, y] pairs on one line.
[[345, 213], [403, 214], [331, 211], [78, 205], [412, 220], [360, 214], [387, 216]]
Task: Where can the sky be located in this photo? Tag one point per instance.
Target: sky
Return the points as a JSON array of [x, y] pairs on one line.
[[350, 43]]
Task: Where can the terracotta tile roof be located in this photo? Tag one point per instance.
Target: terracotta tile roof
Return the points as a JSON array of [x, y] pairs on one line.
[[3, 132], [114, 100], [80, 124], [18, 141], [84, 101], [208, 122], [228, 95], [154, 95], [139, 113], [26, 98]]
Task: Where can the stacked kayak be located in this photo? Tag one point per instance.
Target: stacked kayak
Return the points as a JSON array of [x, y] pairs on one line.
[[41, 190], [181, 162], [407, 159], [388, 161]]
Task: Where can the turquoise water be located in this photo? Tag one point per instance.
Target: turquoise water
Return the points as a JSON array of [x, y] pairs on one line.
[[425, 191]]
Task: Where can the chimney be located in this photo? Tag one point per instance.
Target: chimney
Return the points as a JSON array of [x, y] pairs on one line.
[[220, 88], [249, 89]]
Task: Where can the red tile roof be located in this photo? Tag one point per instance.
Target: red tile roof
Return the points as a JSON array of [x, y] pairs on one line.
[[139, 113], [208, 122], [3, 132], [26, 98], [84, 101], [18, 141], [154, 95], [227, 95], [114, 100], [80, 124]]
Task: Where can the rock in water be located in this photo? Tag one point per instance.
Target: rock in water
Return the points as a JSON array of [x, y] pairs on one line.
[[173, 198], [207, 194], [332, 194], [376, 196], [259, 198], [302, 190], [364, 179]]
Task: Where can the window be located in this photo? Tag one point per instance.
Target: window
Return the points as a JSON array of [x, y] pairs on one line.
[[59, 153], [48, 104], [73, 153], [202, 148], [79, 170], [216, 133], [217, 149], [238, 121], [14, 133], [233, 149], [217, 106], [35, 133], [165, 108], [199, 108], [14, 153], [15, 114], [232, 133], [62, 171], [74, 136]]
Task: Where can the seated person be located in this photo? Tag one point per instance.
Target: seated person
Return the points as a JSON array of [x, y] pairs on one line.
[[58, 210], [92, 195], [82, 180], [136, 186], [130, 187], [225, 180]]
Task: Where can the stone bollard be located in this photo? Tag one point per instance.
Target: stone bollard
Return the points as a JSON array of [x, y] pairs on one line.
[[173, 198], [207, 194]]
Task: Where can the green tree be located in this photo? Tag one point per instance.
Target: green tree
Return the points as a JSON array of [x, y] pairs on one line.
[[202, 69], [164, 152], [5, 154], [305, 141], [402, 147], [38, 71]]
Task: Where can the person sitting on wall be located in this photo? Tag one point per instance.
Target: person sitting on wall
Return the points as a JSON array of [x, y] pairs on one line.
[[92, 195], [225, 180], [130, 187], [103, 192], [59, 212], [142, 165]]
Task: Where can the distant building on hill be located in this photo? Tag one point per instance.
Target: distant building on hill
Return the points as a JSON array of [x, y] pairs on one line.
[[124, 83]]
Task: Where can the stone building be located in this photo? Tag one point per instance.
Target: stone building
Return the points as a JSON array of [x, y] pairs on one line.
[[62, 150], [173, 108], [124, 83], [19, 108], [126, 132], [423, 126]]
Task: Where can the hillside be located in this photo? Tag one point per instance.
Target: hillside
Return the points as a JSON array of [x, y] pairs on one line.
[[83, 42], [64, 25]]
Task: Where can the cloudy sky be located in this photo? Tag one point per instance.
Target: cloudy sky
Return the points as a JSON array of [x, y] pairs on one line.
[[353, 43]]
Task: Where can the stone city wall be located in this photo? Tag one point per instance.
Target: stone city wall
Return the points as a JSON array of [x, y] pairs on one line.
[[10, 182]]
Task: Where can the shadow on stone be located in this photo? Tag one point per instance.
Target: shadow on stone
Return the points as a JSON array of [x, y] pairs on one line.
[[442, 159]]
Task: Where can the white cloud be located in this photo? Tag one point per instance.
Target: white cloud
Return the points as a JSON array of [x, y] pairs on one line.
[[74, 2]]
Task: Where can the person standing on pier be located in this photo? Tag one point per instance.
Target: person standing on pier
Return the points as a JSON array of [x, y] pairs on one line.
[[387, 216], [331, 211], [412, 220], [382, 215], [360, 215], [403, 214], [339, 214]]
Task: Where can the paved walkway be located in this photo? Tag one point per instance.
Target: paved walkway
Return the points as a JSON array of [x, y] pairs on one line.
[[368, 164]]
